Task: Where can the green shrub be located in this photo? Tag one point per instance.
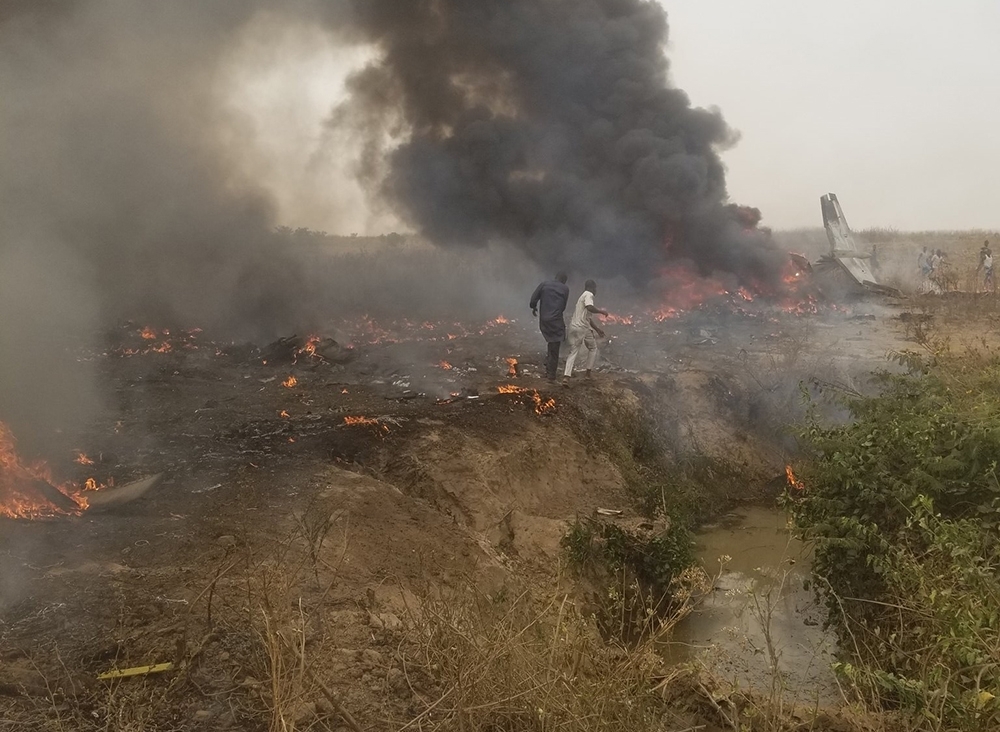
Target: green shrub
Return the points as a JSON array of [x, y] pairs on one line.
[[637, 576], [903, 504]]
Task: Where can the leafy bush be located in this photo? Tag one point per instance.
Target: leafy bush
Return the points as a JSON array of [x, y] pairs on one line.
[[639, 576], [903, 504]]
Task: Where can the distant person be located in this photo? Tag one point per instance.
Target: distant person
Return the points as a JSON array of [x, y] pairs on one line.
[[583, 331], [986, 265], [548, 303], [924, 263], [934, 261]]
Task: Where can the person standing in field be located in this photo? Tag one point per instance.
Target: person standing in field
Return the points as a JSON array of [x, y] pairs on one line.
[[986, 265], [934, 261], [548, 303], [924, 263], [583, 332]]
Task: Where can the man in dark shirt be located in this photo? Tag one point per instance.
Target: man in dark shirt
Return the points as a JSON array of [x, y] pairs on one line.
[[548, 303]]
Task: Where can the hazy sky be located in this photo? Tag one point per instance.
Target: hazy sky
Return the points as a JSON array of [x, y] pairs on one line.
[[894, 105]]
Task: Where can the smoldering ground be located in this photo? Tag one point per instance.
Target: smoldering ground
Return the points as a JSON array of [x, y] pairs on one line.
[[547, 128], [120, 194]]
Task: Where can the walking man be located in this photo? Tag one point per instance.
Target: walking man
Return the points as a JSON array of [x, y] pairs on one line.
[[583, 331], [548, 303]]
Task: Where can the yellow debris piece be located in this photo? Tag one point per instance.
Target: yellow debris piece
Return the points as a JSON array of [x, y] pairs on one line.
[[136, 671]]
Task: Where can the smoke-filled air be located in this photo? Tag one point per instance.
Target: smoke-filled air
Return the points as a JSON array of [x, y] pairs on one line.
[[407, 364], [547, 127]]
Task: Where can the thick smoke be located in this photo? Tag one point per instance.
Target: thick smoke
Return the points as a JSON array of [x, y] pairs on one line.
[[550, 125], [117, 153], [119, 194]]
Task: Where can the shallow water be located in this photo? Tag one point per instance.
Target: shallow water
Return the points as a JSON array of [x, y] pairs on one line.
[[762, 613]]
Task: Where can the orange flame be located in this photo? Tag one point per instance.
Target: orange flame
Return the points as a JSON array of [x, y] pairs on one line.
[[290, 382], [446, 366], [309, 349], [148, 334], [366, 421], [20, 495], [542, 405], [353, 421], [284, 414], [512, 371], [793, 482], [82, 459]]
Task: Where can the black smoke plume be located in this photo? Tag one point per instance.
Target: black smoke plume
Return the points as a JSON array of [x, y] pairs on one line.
[[550, 125]]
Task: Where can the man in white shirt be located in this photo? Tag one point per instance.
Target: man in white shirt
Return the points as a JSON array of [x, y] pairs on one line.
[[583, 331], [986, 264]]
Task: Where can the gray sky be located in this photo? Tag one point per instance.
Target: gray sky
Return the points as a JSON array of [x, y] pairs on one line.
[[894, 105]]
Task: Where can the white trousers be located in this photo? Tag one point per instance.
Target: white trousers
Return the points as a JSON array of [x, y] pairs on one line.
[[579, 338]]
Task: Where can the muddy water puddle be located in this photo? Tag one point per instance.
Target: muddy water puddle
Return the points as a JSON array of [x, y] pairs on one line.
[[762, 613]]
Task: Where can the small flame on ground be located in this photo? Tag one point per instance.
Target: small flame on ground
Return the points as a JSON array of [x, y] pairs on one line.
[[284, 414], [82, 458], [793, 482], [512, 371], [20, 496], [354, 421], [309, 349], [148, 334], [446, 366], [361, 421], [542, 405], [290, 382]]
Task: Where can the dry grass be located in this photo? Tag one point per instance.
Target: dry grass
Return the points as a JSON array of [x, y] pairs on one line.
[[525, 665]]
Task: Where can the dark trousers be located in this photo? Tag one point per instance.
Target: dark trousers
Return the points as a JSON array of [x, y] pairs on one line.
[[552, 360]]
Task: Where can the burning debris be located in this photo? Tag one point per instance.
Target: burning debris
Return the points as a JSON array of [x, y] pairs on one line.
[[295, 349], [362, 421], [132, 341], [82, 459], [793, 482], [28, 490], [542, 405], [290, 383]]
